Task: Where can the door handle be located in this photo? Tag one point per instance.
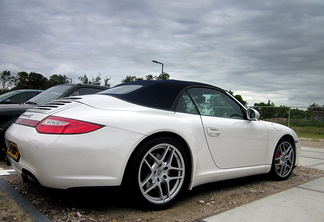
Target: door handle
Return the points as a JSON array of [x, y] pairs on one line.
[[213, 132]]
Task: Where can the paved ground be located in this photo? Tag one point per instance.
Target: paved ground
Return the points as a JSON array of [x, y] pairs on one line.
[[299, 204], [312, 157], [5, 171]]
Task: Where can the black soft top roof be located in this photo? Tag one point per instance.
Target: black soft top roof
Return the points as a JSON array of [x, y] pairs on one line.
[[159, 94]]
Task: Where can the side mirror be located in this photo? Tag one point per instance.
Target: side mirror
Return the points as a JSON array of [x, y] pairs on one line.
[[7, 101], [252, 114]]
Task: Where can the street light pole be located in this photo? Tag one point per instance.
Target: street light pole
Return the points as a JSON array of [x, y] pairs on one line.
[[162, 66], [69, 79]]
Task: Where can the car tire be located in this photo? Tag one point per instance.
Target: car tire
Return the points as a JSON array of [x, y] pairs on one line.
[[283, 161], [159, 173]]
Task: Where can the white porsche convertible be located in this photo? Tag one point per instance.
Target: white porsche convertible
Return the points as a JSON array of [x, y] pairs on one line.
[[157, 138]]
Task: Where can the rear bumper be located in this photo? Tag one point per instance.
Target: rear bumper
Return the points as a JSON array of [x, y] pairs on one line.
[[64, 161]]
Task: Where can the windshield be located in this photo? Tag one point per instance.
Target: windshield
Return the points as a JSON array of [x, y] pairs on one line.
[[50, 94]]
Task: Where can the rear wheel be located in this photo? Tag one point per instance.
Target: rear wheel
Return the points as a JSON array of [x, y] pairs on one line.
[[160, 172], [283, 160]]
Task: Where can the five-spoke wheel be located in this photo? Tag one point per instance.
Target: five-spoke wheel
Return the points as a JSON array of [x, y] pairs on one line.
[[283, 160], [161, 172]]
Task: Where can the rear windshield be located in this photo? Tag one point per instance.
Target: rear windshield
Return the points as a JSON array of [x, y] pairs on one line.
[[50, 94], [121, 89]]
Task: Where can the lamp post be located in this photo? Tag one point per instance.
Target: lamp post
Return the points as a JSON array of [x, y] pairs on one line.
[[69, 79], [162, 66]]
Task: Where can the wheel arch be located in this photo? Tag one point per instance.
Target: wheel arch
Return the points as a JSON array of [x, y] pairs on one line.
[[172, 135]]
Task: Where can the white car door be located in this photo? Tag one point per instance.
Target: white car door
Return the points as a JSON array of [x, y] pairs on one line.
[[233, 140]]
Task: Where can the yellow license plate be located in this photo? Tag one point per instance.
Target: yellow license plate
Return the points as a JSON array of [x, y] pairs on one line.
[[13, 151]]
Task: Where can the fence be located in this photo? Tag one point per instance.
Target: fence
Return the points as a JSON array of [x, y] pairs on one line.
[[289, 115]]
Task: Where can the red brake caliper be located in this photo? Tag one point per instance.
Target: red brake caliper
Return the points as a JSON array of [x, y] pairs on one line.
[[277, 156]]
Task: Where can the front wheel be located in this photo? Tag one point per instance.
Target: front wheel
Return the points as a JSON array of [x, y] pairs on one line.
[[160, 172], [283, 160]]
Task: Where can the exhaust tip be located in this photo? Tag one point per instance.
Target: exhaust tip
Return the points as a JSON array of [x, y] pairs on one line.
[[28, 177]]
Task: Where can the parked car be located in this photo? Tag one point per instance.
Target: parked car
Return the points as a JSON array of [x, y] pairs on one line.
[[10, 112], [18, 96], [156, 138]]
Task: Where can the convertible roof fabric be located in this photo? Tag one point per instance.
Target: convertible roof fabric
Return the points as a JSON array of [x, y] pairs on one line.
[[160, 94]]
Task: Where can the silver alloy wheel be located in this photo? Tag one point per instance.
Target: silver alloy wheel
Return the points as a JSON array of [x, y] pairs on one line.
[[284, 159], [161, 173]]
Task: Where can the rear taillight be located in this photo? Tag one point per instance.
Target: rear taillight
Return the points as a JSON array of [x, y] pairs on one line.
[[27, 122], [59, 125]]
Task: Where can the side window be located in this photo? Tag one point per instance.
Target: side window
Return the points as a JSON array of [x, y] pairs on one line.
[[185, 105], [85, 91], [212, 102], [18, 98]]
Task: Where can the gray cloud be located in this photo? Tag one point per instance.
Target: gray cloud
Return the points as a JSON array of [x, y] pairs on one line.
[[261, 50]]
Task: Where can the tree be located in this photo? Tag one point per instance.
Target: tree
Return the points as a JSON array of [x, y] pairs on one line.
[[316, 107], [106, 81], [298, 114], [22, 80], [94, 81], [149, 77], [36, 81], [311, 108], [281, 112], [131, 79], [165, 76], [6, 80], [32, 80], [267, 110], [56, 79], [238, 97], [84, 79]]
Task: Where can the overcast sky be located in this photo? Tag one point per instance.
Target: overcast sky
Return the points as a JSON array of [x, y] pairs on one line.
[[262, 50]]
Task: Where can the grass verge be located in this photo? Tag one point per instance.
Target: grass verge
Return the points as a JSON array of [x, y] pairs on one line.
[[316, 133]]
